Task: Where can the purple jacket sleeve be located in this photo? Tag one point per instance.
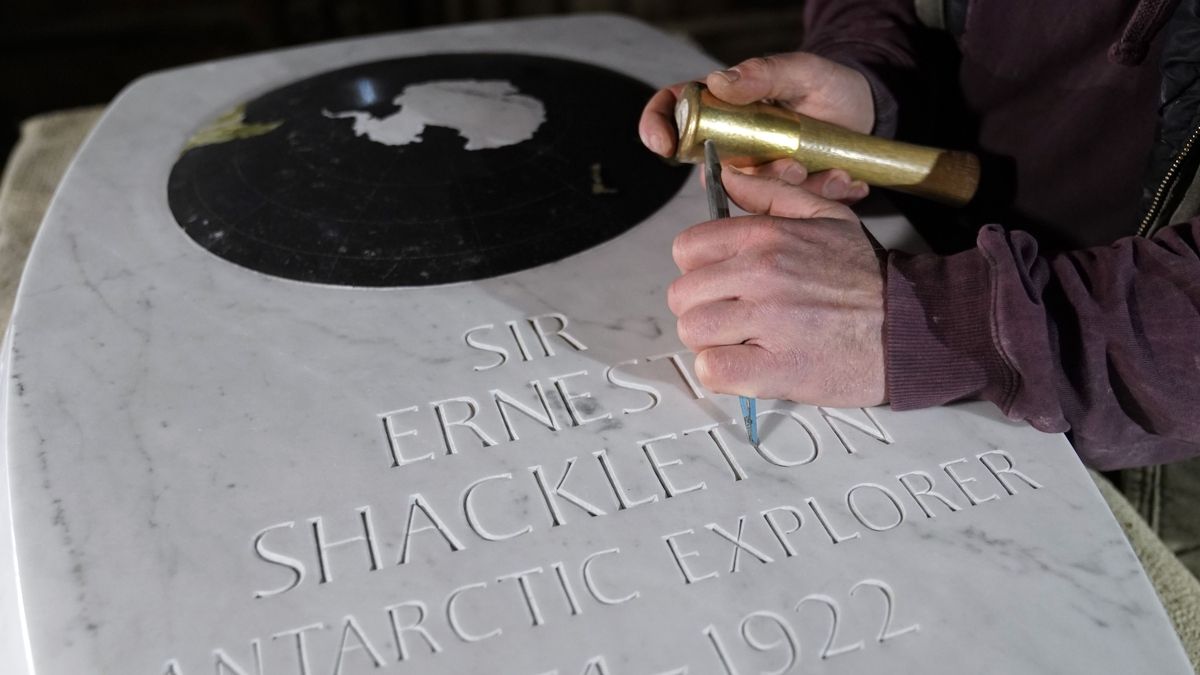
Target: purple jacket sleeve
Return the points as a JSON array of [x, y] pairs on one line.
[[1101, 342], [873, 37]]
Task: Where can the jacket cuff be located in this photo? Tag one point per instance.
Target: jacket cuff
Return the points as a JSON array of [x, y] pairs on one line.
[[940, 337]]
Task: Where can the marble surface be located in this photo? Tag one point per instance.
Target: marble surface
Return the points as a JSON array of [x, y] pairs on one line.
[[213, 470]]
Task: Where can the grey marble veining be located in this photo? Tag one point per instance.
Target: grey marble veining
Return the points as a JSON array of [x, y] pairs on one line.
[[182, 434]]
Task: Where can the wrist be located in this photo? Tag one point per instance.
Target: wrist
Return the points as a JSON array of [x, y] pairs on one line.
[[939, 343]]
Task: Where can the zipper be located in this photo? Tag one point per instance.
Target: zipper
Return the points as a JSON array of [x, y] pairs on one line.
[[1157, 203]]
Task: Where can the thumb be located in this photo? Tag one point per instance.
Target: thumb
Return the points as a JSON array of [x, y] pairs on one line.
[[782, 77]]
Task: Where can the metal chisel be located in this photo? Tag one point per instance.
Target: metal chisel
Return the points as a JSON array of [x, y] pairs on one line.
[[718, 207]]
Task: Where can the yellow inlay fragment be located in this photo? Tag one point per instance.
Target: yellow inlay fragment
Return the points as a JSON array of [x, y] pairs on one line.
[[230, 126]]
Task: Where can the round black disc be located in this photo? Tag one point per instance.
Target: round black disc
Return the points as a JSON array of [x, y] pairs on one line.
[[288, 187]]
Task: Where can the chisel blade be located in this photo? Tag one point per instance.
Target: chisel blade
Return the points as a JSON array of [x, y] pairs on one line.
[[718, 207]]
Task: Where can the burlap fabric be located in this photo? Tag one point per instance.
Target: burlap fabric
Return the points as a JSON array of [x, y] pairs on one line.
[[48, 142]]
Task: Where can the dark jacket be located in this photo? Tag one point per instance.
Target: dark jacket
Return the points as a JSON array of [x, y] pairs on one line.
[[1080, 310]]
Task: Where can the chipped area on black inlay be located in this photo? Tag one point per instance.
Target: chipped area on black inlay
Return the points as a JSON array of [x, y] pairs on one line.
[[291, 191]]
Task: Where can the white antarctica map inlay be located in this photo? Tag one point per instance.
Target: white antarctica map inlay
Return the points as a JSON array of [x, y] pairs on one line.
[[487, 113]]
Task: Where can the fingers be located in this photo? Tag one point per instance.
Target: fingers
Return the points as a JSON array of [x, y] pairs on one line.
[[715, 324], [772, 196], [734, 369], [718, 282], [657, 125], [806, 83], [834, 184], [786, 170], [711, 242], [783, 77]]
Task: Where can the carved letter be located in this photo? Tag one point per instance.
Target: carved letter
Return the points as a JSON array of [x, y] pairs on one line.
[[363, 644], [820, 514], [996, 472], [862, 518], [522, 578], [545, 418], [658, 466], [577, 418], [417, 502], [623, 500], [595, 665], [473, 518], [561, 331], [551, 494], [368, 536], [679, 557], [714, 433], [393, 438], [225, 664], [590, 583], [516, 333], [614, 379], [472, 408], [568, 591], [738, 544], [301, 643], [474, 342], [680, 368], [831, 416], [296, 567], [961, 482], [927, 491], [456, 624], [415, 626], [808, 430], [778, 531]]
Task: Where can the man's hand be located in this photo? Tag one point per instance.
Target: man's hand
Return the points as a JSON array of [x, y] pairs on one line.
[[806, 83], [788, 304]]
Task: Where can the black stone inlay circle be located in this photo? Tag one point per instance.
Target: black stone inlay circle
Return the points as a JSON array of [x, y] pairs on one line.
[[311, 201]]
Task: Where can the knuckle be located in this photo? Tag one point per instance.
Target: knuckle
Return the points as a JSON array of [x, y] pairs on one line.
[[711, 370], [757, 63], [689, 329], [767, 261], [843, 212], [803, 58], [767, 231], [676, 294], [681, 245]]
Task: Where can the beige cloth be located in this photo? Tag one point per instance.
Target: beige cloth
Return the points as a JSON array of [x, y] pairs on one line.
[[1178, 588], [48, 143]]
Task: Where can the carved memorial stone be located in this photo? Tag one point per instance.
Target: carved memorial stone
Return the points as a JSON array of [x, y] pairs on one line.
[[356, 358]]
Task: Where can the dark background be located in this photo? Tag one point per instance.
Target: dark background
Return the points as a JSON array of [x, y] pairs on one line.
[[69, 53]]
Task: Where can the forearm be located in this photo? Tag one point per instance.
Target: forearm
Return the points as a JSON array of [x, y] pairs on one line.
[[1101, 342]]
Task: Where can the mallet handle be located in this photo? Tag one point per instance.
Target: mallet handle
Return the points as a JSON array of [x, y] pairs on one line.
[[758, 133]]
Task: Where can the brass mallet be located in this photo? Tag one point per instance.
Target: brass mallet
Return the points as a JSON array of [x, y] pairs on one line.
[[758, 133]]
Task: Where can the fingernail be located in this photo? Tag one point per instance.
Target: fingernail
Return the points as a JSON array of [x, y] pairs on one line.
[[730, 75], [858, 190], [835, 189]]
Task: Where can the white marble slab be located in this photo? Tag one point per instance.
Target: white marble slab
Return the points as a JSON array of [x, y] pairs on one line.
[[178, 430]]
